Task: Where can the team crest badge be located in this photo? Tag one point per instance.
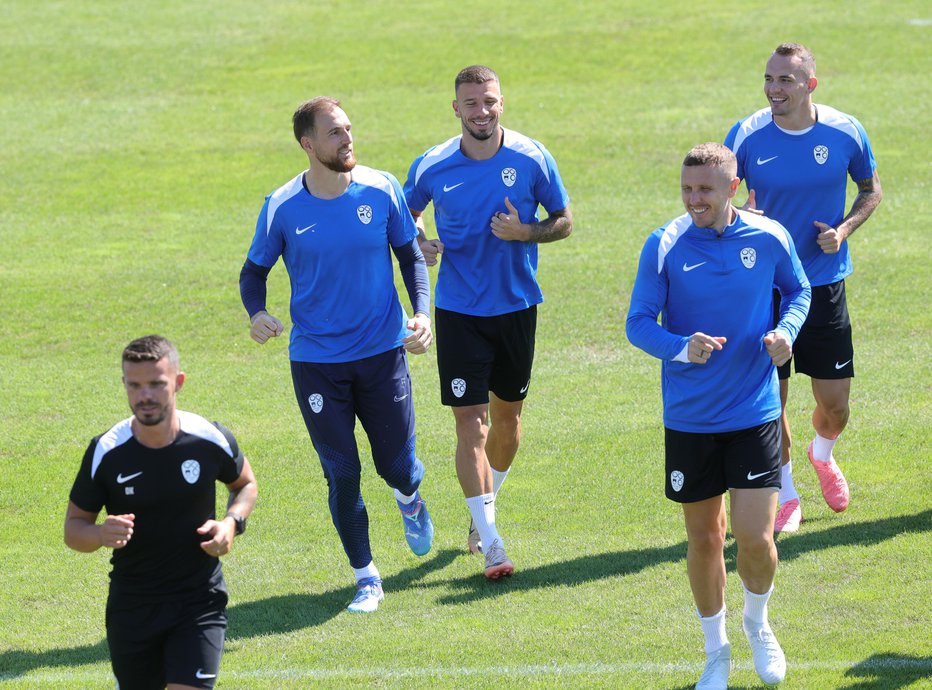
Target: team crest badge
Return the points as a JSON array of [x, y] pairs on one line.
[[676, 480], [820, 153], [191, 471], [509, 176], [459, 387], [316, 401], [748, 257], [364, 213]]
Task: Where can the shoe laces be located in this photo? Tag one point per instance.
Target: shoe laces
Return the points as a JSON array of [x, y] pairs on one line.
[[495, 555]]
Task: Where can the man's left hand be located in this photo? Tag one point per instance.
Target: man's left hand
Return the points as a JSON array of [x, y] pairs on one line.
[[829, 238], [221, 535], [508, 226]]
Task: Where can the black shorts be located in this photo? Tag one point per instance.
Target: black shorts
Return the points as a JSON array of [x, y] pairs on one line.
[[700, 466], [823, 348], [478, 354], [175, 641]]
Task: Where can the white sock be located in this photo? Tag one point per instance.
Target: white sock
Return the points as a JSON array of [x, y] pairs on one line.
[[787, 489], [482, 510], [498, 478], [368, 571], [407, 500], [822, 448], [713, 627], [755, 606]]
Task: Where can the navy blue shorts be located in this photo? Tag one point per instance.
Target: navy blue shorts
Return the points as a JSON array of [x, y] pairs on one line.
[[173, 641], [377, 391], [700, 466]]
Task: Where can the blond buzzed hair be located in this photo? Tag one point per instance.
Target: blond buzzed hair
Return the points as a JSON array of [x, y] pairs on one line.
[[806, 58], [712, 153]]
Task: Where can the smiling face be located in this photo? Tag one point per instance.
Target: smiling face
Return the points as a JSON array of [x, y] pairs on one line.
[[331, 141], [479, 107], [788, 86], [707, 191]]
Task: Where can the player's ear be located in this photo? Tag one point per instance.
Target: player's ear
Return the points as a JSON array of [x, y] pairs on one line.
[[456, 108], [813, 82], [179, 380]]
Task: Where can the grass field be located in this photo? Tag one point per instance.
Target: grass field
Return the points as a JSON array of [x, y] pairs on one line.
[[139, 140]]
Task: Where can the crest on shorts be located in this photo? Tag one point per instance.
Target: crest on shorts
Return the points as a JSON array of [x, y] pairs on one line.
[[509, 176], [364, 213], [459, 387], [749, 257], [191, 471], [316, 401], [676, 480], [820, 153]]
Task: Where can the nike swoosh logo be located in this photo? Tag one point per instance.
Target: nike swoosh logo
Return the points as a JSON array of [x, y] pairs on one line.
[[397, 399], [752, 477], [300, 231], [842, 365], [122, 480], [489, 502], [688, 268], [762, 161], [451, 187], [524, 390], [201, 674]]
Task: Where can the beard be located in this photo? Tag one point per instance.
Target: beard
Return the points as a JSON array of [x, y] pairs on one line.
[[480, 136], [150, 416], [338, 163]]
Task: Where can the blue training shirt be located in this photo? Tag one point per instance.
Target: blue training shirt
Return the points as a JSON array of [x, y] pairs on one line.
[[801, 178], [720, 285], [480, 274], [344, 305]]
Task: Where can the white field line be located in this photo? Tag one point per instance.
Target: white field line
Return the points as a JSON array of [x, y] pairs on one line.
[[537, 670]]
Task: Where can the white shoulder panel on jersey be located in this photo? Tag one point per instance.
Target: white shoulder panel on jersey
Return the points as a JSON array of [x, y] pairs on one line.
[[527, 146], [768, 225], [196, 425], [119, 433], [280, 196], [436, 155], [751, 124], [374, 178], [838, 120], [675, 229]]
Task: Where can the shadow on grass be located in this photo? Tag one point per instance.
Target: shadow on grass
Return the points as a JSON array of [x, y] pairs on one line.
[[600, 566], [271, 616], [890, 671]]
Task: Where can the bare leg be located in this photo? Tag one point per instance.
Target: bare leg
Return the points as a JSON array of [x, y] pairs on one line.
[[705, 559]]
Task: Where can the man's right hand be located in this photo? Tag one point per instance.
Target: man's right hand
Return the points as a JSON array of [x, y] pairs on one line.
[[264, 326], [430, 249]]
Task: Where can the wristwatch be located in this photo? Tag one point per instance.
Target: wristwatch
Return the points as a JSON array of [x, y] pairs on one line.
[[239, 520]]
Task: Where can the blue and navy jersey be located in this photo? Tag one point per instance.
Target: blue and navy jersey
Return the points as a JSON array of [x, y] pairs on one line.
[[480, 274], [171, 491], [802, 178], [720, 285], [344, 305]]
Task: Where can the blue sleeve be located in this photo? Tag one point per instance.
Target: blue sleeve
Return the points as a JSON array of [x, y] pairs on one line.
[[862, 166], [551, 193], [401, 227], [648, 299], [795, 293], [415, 196], [730, 143], [252, 283], [414, 274], [268, 242]]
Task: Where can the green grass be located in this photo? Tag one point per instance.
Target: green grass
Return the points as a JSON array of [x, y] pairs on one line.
[[139, 141]]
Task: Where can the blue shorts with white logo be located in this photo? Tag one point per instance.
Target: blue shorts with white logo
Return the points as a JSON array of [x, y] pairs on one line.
[[377, 391]]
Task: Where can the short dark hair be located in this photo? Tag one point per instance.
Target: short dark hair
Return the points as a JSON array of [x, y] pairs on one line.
[[712, 153], [802, 52], [303, 118], [475, 74], [151, 348]]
